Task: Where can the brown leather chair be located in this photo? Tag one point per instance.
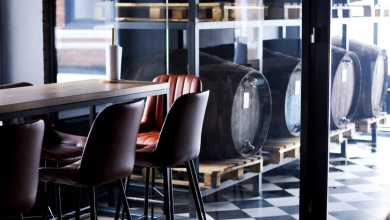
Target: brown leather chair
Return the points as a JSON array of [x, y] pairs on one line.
[[56, 146], [20, 150], [178, 143], [108, 155], [152, 119]]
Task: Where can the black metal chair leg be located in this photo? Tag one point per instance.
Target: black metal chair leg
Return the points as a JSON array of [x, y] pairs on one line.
[[125, 182], [171, 193], [192, 165], [168, 203], [46, 200], [147, 186], [124, 200], [118, 206], [92, 201], [78, 192], [152, 193], [58, 198], [21, 217], [58, 202], [193, 189]]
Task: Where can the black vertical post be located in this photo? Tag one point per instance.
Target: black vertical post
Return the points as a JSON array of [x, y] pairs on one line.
[[193, 38], [280, 32], [345, 38], [52, 38], [315, 109], [52, 51], [1, 47], [374, 135], [375, 33]]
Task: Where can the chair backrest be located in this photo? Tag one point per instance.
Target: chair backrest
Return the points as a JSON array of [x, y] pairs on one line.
[[179, 85], [19, 166], [109, 152], [180, 136]]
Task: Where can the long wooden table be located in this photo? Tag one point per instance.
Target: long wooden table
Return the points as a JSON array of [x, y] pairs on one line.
[[33, 100]]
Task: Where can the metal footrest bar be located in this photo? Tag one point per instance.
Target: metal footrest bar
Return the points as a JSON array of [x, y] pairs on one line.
[[155, 201]]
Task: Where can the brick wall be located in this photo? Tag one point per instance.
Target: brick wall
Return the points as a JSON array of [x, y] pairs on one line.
[[60, 13], [82, 58]]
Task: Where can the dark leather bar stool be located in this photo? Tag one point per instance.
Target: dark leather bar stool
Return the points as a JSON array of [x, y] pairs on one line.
[[109, 154], [19, 166], [178, 144], [153, 118]]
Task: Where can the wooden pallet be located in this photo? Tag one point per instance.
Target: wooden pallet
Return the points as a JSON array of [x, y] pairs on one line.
[[215, 171], [179, 11], [338, 135], [341, 11], [279, 148], [364, 125], [283, 11], [252, 11]]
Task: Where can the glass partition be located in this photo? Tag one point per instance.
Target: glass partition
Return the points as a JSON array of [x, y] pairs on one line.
[[359, 131], [246, 52]]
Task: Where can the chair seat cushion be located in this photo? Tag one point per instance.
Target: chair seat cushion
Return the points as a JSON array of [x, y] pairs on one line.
[[144, 156], [62, 153], [62, 147], [147, 138], [67, 175]]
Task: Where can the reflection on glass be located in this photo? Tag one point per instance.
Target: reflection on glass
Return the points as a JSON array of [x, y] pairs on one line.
[[81, 38], [359, 108]]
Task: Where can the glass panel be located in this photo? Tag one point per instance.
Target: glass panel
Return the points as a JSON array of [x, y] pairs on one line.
[[358, 173], [83, 29], [249, 59], [247, 53]]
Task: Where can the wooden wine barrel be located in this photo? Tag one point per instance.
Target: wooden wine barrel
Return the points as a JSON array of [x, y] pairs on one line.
[[374, 66], [238, 113], [283, 74], [345, 87]]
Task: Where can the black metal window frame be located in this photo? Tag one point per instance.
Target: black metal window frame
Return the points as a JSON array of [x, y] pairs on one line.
[[315, 109], [1, 46]]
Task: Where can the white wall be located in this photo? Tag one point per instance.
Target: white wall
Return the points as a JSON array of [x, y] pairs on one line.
[[22, 41]]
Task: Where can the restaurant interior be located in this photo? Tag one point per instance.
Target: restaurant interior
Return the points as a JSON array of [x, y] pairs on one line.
[[201, 109]]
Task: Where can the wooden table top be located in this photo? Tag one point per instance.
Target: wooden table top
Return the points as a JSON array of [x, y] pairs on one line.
[[41, 96]]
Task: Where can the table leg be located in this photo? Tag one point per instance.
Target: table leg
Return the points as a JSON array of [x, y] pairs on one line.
[[166, 104], [92, 114]]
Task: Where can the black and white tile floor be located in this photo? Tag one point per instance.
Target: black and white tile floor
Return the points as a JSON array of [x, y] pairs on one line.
[[359, 189]]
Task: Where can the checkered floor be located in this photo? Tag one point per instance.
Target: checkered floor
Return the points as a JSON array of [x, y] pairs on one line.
[[359, 189]]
